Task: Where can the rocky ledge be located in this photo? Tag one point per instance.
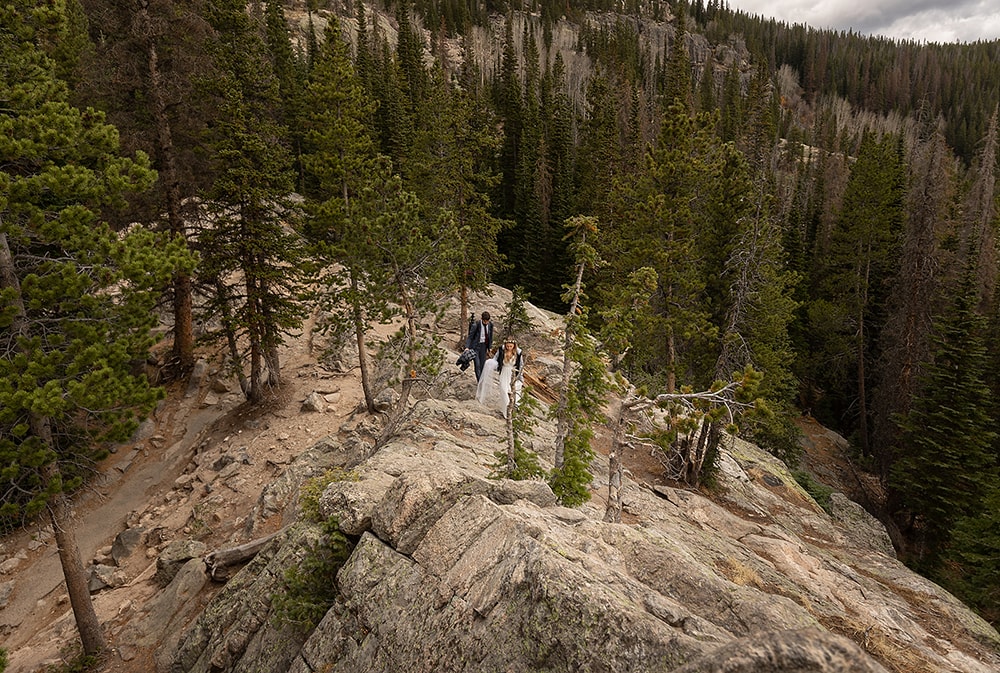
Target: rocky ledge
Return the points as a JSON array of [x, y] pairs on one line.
[[454, 571]]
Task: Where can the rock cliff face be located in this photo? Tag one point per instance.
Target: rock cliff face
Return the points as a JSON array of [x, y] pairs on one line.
[[454, 571]]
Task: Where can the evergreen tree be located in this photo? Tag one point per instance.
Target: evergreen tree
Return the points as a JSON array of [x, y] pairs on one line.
[[947, 466], [290, 74], [452, 168], [157, 53], [600, 149], [732, 103], [340, 157], [251, 258], [706, 88], [914, 290], [862, 259], [976, 554], [508, 105], [409, 272], [677, 87], [527, 247], [655, 224], [76, 299], [585, 386]]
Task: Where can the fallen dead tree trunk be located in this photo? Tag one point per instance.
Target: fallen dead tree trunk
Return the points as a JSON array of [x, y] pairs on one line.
[[218, 562]]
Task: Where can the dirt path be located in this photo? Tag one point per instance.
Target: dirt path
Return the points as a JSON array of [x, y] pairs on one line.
[[140, 479], [130, 479]]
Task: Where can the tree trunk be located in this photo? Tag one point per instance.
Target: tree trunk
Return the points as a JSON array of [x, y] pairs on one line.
[[613, 511], [89, 627], [562, 422], [69, 554], [463, 327], [671, 363], [511, 446], [359, 333], [183, 347], [230, 330], [255, 336], [862, 397]]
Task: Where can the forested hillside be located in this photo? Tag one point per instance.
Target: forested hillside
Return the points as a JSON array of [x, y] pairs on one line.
[[727, 199]]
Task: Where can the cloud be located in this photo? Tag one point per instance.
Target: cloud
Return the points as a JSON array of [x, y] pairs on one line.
[[920, 20]]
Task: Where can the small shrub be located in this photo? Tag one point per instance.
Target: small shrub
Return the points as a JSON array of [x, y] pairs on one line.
[[312, 490], [526, 465], [774, 431], [311, 586], [74, 661], [819, 492]]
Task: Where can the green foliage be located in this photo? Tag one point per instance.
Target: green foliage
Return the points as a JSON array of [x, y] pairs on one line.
[[974, 571], [3, 660], [816, 490], [571, 482], [311, 586], [515, 319], [948, 466], [253, 261], [773, 430], [525, 464], [658, 218], [586, 381], [73, 661], [78, 299], [312, 490]]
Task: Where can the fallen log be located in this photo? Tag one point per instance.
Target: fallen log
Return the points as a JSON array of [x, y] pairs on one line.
[[217, 562], [540, 389]]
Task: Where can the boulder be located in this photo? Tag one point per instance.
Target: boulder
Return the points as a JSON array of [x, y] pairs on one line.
[[237, 632], [126, 542], [6, 589], [315, 403], [175, 555]]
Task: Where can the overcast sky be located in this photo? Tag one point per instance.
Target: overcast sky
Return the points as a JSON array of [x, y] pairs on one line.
[[920, 20]]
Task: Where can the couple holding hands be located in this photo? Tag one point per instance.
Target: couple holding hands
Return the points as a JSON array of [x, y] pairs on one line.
[[497, 374]]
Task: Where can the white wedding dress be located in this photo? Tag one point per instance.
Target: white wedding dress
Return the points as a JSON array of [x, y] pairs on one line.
[[494, 388]]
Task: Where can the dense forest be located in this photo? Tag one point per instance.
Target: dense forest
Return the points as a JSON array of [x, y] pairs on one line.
[[812, 210]]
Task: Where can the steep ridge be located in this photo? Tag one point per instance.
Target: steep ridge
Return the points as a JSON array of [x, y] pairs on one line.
[[454, 571]]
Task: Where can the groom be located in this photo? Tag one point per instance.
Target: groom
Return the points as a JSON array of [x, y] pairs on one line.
[[480, 339]]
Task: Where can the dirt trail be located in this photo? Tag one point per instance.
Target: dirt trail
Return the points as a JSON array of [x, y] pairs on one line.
[[141, 478], [127, 484]]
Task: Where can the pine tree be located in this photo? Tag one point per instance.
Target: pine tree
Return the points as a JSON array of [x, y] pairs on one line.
[[655, 224], [76, 299], [915, 288], [585, 383], [677, 87], [452, 168], [409, 273], [862, 259], [157, 53], [290, 74], [600, 149], [251, 258], [508, 106], [975, 553], [340, 157], [947, 465]]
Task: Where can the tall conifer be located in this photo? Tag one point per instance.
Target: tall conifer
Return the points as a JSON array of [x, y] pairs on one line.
[[76, 299], [253, 260]]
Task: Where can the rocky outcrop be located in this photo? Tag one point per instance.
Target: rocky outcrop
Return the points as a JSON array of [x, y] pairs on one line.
[[455, 571]]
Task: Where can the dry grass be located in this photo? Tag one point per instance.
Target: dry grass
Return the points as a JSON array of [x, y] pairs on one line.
[[877, 642], [739, 573]]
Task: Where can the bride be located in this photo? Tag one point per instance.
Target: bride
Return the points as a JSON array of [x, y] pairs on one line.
[[499, 374]]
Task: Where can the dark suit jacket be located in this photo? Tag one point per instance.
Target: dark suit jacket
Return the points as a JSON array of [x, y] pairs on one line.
[[473, 341]]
